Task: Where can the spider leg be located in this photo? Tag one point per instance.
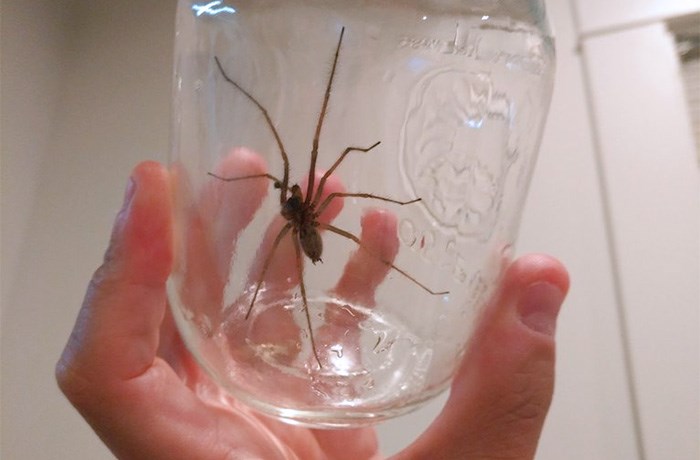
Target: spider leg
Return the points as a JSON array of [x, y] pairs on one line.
[[300, 266], [321, 117], [352, 237], [250, 176], [283, 152], [266, 265], [330, 197], [340, 159]]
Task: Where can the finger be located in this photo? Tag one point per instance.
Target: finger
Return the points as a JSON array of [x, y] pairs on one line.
[[229, 206], [501, 393], [214, 219], [367, 267], [125, 302], [362, 274], [349, 444]]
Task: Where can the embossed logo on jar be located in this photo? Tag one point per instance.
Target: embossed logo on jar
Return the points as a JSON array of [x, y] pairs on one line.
[[454, 148]]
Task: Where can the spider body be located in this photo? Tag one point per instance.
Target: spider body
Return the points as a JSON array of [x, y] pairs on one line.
[[304, 224]]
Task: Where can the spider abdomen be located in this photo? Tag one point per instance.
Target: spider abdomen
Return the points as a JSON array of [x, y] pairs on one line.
[[311, 242]]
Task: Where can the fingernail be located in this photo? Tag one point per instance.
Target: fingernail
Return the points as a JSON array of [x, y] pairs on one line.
[[120, 222], [123, 214], [129, 193], [539, 306]]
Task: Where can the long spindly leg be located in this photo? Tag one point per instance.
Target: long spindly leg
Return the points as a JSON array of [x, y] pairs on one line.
[[326, 175], [352, 237], [321, 117], [300, 266], [250, 176], [266, 265], [285, 159], [330, 197]]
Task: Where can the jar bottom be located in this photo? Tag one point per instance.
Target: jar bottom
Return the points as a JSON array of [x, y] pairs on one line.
[[362, 367]]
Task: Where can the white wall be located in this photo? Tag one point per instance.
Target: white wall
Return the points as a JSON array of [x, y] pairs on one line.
[[85, 95], [31, 75]]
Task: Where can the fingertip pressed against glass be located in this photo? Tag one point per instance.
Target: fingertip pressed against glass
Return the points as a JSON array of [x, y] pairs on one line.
[[349, 177]]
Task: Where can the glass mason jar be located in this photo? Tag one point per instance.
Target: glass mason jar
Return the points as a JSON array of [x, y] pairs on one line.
[[348, 181]]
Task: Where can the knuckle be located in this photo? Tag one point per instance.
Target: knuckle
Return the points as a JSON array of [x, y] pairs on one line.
[[72, 384], [530, 393], [514, 419], [73, 369]]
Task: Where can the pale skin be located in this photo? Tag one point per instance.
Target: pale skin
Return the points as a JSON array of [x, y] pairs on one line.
[[127, 372]]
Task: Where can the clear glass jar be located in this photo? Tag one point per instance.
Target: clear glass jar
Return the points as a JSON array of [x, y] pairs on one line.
[[351, 300]]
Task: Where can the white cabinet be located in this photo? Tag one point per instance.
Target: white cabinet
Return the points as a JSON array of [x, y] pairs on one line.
[[650, 172], [597, 16]]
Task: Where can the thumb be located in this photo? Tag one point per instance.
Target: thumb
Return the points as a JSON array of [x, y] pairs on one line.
[[503, 389]]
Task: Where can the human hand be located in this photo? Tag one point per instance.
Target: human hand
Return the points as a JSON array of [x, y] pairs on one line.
[[126, 370]]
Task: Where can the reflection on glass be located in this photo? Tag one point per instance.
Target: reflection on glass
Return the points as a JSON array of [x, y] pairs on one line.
[[212, 8]]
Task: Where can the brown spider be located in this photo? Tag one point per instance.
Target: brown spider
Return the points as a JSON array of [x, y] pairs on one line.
[[302, 211]]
